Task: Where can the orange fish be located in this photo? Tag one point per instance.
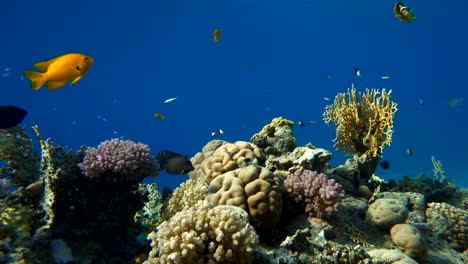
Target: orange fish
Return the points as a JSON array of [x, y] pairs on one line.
[[59, 71], [216, 35]]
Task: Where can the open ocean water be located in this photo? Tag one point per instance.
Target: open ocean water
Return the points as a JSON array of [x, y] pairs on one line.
[[274, 58]]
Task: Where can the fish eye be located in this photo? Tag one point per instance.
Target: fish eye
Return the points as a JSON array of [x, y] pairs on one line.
[[86, 58], [78, 67]]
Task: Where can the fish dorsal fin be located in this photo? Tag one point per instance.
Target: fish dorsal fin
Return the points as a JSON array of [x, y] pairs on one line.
[[53, 85], [44, 65], [76, 80]]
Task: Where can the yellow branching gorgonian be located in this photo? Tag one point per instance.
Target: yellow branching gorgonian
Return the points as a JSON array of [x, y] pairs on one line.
[[364, 121]]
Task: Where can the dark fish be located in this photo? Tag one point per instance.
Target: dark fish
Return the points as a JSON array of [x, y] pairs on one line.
[[11, 116], [385, 165], [174, 163], [357, 72], [409, 152]]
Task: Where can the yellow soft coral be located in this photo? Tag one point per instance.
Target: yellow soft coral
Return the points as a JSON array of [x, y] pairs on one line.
[[364, 121]]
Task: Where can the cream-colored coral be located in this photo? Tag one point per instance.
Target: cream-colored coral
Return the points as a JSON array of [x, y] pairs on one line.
[[204, 234], [207, 151], [252, 188], [184, 197], [364, 121], [457, 220], [277, 122], [229, 157], [408, 239]]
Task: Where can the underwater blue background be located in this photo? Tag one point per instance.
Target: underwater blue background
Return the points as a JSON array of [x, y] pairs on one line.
[[273, 59]]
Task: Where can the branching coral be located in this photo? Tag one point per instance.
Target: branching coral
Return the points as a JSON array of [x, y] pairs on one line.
[[320, 194], [132, 161], [364, 121]]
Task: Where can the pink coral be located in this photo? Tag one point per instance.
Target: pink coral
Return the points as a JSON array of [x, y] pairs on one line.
[[125, 158], [320, 194]]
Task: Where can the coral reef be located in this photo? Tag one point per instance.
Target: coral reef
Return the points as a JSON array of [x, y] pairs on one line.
[[364, 121], [204, 234], [123, 159], [22, 163], [148, 216], [276, 137], [228, 157], [455, 220], [252, 188], [409, 240], [184, 197], [320, 194], [386, 212]]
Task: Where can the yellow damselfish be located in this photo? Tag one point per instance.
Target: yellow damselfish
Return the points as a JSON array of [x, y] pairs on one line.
[[59, 71], [216, 35]]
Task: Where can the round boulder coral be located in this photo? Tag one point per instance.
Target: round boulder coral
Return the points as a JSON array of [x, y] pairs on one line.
[[386, 212], [119, 160], [408, 239]]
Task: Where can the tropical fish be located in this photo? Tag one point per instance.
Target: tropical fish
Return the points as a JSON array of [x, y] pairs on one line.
[[421, 102], [357, 72], [385, 77], [174, 163], [169, 100], [385, 165], [11, 116], [454, 102], [301, 124], [402, 12], [159, 116], [409, 152], [59, 71], [216, 35]]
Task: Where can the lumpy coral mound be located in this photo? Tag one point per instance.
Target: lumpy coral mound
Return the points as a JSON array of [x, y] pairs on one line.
[[364, 121], [204, 234], [119, 159]]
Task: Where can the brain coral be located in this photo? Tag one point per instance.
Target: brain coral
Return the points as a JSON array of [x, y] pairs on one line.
[[119, 160], [320, 194], [363, 126], [228, 157], [204, 234], [252, 188]]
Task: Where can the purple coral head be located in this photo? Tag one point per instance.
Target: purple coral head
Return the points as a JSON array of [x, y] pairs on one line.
[[320, 194], [118, 159]]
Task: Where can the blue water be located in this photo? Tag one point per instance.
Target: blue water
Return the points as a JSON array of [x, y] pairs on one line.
[[273, 59]]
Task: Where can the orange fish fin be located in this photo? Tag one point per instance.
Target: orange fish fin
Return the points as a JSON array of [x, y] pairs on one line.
[[75, 80], [37, 79], [44, 65], [53, 85]]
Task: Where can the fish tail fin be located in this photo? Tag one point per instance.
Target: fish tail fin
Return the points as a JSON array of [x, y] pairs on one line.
[[37, 79]]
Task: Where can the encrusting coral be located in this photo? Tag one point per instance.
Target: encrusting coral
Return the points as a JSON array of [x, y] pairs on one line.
[[204, 234], [132, 161], [456, 223], [321, 195], [364, 121]]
